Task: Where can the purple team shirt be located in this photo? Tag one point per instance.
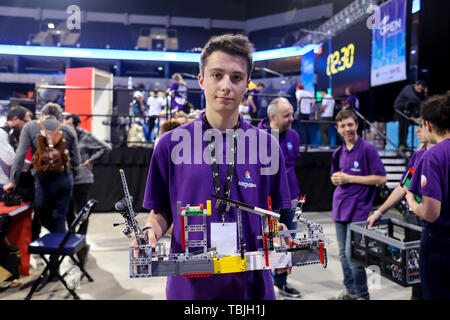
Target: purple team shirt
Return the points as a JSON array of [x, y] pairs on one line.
[[352, 202], [290, 147], [192, 184], [432, 178]]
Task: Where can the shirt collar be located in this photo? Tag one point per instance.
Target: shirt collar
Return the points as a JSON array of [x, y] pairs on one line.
[[355, 147]]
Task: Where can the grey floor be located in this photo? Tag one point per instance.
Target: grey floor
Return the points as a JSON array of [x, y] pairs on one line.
[[108, 265]]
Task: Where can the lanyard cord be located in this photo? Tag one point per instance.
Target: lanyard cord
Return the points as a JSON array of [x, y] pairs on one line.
[[215, 166]]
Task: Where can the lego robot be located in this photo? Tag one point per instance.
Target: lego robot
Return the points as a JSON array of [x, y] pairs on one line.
[[306, 249]]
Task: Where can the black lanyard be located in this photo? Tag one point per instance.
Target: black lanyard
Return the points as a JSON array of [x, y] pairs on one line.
[[215, 166]]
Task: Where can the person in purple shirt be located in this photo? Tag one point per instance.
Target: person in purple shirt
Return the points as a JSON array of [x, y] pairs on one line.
[[430, 181], [179, 172], [352, 101], [281, 116], [355, 170], [398, 194], [178, 92]]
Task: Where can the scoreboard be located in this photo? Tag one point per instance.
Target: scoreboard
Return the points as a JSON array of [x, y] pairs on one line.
[[345, 60]]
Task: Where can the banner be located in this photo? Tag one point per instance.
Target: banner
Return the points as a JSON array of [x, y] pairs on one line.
[[389, 44], [308, 71]]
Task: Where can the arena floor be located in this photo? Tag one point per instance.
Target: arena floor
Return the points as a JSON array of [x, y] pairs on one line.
[[108, 264]]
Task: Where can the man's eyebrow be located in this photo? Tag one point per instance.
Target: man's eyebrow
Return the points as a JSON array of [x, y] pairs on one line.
[[221, 70]]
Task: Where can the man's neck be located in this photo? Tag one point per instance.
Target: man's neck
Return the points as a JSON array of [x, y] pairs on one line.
[[349, 144], [445, 136], [220, 121]]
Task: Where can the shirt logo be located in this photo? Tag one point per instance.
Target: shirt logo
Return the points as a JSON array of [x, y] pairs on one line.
[[355, 166], [290, 146], [423, 181], [247, 182]]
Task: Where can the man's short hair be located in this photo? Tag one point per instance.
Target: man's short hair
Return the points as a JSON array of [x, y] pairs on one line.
[[233, 44], [52, 109], [260, 84], [75, 119], [272, 108], [436, 110], [421, 83], [345, 114], [17, 111], [350, 89]]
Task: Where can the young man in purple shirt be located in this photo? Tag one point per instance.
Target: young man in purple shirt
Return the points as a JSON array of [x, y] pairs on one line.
[[355, 170], [398, 194], [179, 172], [430, 181], [281, 116]]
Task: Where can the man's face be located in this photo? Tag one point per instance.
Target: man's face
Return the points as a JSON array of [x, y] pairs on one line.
[[225, 81], [347, 128], [284, 117], [418, 88], [260, 88], [421, 135], [426, 134], [18, 124]]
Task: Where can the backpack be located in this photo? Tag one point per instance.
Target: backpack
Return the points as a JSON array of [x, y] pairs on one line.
[[51, 155]]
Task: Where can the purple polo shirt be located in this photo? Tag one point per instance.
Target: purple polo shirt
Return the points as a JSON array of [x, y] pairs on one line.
[[169, 182], [432, 178], [352, 202], [290, 147]]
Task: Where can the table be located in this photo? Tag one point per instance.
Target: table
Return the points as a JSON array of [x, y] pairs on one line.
[[19, 231]]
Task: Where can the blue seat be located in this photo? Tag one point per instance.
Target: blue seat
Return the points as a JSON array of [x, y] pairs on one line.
[[60, 245], [49, 244]]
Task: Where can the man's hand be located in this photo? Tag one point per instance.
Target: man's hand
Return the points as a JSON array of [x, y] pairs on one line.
[[412, 203], [372, 219], [151, 236], [340, 178], [277, 241], [9, 187], [87, 164]]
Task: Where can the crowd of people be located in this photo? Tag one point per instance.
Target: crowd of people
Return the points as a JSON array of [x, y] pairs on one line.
[[59, 154], [225, 70]]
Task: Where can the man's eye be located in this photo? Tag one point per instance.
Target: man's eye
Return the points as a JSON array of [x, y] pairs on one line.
[[216, 75]]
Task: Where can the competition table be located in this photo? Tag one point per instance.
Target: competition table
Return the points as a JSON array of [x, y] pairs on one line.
[[19, 231]]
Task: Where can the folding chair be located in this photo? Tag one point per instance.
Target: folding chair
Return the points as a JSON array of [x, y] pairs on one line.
[[60, 245]]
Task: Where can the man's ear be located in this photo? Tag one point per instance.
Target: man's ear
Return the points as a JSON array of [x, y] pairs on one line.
[[429, 126], [200, 80]]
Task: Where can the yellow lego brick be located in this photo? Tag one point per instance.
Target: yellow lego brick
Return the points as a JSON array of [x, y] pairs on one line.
[[276, 227], [208, 207], [230, 264]]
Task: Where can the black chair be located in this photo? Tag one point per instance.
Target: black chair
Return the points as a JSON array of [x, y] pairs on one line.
[[60, 245]]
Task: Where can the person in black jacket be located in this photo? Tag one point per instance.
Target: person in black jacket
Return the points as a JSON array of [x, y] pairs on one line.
[[408, 102]]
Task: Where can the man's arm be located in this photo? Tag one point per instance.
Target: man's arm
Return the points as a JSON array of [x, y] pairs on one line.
[[369, 180], [98, 144], [159, 225], [252, 103], [429, 209], [21, 152], [6, 150]]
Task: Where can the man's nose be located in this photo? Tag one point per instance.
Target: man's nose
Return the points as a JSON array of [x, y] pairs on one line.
[[225, 84]]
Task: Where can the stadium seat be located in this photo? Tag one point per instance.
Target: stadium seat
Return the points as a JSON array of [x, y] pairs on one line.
[[60, 245]]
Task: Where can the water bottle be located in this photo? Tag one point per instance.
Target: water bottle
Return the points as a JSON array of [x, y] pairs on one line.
[[130, 83]]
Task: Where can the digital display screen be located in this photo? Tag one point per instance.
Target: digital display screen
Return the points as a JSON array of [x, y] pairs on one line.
[[347, 61]]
